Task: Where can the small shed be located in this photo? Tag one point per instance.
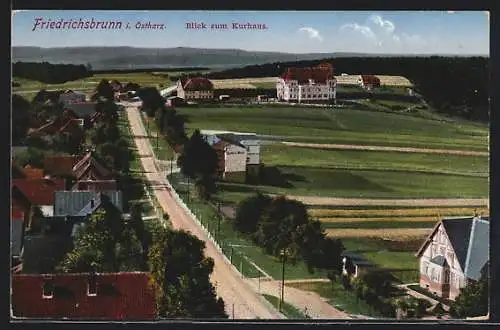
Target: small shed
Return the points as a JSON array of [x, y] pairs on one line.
[[354, 264]]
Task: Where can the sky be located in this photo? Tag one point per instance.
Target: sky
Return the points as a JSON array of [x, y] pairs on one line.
[[398, 32]]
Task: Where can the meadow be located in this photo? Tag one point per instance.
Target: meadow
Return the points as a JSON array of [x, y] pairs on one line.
[[344, 125]]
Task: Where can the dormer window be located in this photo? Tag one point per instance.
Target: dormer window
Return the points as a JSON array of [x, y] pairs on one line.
[[92, 287], [48, 290]]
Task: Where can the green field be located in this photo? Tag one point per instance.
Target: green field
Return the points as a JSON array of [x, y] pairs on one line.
[[288, 310], [346, 125], [339, 297], [160, 145]]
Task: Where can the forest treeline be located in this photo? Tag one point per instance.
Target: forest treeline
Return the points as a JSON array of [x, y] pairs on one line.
[[48, 73]]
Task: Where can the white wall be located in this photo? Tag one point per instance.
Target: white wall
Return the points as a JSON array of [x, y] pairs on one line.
[[291, 90], [235, 158]]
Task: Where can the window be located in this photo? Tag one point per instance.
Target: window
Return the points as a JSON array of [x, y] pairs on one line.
[[92, 287], [48, 290], [442, 250]]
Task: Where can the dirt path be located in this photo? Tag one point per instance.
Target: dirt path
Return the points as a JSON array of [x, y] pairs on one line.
[[382, 148], [317, 307], [238, 296], [313, 200]]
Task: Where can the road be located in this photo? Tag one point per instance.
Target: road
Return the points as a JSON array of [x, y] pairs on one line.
[[384, 148], [240, 300], [315, 306]]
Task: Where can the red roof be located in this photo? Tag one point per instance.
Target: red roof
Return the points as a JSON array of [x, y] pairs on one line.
[[39, 191], [119, 296], [319, 74], [60, 165], [89, 168], [370, 79], [96, 185], [196, 84], [32, 173]]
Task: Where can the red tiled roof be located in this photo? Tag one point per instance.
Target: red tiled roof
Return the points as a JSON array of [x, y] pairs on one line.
[[120, 296], [370, 79], [33, 173], [39, 191], [319, 74], [196, 84], [71, 126], [96, 185], [60, 165]]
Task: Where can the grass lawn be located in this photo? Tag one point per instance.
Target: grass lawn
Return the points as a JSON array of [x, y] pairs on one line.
[[339, 298], [379, 224], [346, 125], [288, 310], [279, 154], [389, 254], [160, 145], [141, 78], [324, 182]]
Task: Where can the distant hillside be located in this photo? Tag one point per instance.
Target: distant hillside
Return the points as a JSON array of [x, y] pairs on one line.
[[109, 58]]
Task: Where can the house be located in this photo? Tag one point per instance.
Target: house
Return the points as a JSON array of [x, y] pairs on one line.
[[88, 168], [59, 125], [95, 185], [33, 173], [354, 265], [316, 84], [232, 158], [84, 296], [174, 101], [196, 88], [16, 238], [61, 166], [252, 144], [454, 254], [35, 197], [82, 109], [75, 206], [69, 96], [369, 82]]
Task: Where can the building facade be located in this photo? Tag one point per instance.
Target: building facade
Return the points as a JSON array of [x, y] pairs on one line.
[[198, 88], [454, 254], [369, 82], [312, 85]]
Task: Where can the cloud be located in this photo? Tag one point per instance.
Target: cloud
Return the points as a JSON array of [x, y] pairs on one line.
[[312, 33], [386, 24], [395, 38], [363, 29]]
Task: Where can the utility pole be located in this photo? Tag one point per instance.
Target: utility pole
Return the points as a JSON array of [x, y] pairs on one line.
[[283, 253], [233, 312], [157, 145], [218, 226]]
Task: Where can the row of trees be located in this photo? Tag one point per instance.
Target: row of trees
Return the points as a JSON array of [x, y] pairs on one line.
[[279, 224], [452, 85], [50, 73]]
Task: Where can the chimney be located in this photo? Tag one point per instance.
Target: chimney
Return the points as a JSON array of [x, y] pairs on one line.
[[92, 203]]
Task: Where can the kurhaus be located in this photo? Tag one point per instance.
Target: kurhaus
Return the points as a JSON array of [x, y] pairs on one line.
[[316, 84]]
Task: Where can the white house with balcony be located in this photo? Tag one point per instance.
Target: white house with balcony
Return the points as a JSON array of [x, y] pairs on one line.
[[310, 85]]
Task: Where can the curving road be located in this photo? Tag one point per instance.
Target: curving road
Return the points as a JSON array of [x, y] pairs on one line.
[[240, 299]]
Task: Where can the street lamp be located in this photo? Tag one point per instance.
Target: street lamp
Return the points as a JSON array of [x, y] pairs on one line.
[[283, 255]]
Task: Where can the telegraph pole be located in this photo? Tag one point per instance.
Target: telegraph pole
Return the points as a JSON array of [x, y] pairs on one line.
[[157, 145], [283, 253]]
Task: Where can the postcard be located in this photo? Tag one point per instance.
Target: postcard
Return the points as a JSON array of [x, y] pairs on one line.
[[237, 165]]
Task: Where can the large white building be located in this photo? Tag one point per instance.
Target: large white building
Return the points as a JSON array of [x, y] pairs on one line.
[[312, 85]]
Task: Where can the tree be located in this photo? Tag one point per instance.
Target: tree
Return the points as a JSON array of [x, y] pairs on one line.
[[473, 299], [129, 251], [20, 118], [137, 224], [180, 274], [249, 212], [105, 90], [104, 132], [199, 161], [109, 109], [116, 154], [151, 100]]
